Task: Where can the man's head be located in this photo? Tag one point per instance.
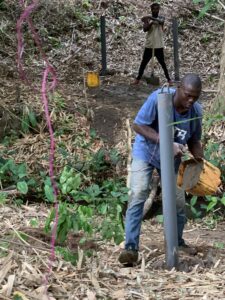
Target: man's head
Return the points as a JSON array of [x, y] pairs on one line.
[[155, 7], [188, 91]]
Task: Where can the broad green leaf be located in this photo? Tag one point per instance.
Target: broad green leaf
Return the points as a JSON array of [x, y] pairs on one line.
[[21, 171], [32, 119], [211, 205], [49, 193], [159, 218], [22, 187], [64, 188], [102, 208], [219, 245], [223, 201], [194, 200]]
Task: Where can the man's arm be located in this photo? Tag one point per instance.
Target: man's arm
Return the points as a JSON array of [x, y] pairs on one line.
[[195, 147], [152, 135], [147, 132]]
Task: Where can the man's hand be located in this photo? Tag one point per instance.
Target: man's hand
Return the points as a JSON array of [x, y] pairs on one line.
[[178, 149]]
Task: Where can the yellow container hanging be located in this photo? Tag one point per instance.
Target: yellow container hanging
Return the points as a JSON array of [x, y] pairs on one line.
[[93, 79], [198, 177]]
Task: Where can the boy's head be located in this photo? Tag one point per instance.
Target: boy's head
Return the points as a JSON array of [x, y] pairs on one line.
[[155, 7]]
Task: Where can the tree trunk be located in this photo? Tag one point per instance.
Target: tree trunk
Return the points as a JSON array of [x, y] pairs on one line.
[[219, 103]]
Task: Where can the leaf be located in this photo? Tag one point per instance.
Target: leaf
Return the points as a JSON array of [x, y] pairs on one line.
[[51, 217], [93, 190], [64, 188], [19, 296], [32, 119], [159, 218], [211, 205], [21, 171], [219, 245], [76, 182], [22, 187], [223, 201], [49, 193], [119, 208], [102, 208], [93, 133], [194, 200], [25, 124]]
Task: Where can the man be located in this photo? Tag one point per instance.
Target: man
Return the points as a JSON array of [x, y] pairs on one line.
[[146, 157], [153, 25]]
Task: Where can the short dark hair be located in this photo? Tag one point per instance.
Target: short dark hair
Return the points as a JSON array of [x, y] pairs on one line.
[[155, 4], [192, 79]]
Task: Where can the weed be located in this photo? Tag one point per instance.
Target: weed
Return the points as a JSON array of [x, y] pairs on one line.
[[67, 255], [4, 246], [219, 245], [103, 213], [193, 202], [34, 223], [86, 20], [29, 120], [3, 198], [208, 4], [159, 219], [18, 202]]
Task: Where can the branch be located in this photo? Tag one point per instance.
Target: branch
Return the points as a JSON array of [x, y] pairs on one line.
[[214, 17], [223, 6]]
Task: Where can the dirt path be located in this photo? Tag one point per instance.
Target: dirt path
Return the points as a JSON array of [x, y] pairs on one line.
[[114, 101]]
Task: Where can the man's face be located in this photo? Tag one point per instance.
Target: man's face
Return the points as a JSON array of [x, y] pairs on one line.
[[188, 96], [155, 11]]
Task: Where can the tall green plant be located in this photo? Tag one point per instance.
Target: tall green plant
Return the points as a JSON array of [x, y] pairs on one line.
[[208, 4]]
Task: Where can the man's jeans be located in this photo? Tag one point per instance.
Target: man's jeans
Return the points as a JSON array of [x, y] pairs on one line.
[[141, 174]]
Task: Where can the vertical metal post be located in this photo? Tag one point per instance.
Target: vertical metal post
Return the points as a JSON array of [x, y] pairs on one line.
[[175, 49], [103, 46], [165, 115]]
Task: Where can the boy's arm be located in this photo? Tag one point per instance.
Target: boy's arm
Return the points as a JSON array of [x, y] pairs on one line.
[[147, 25], [159, 20]]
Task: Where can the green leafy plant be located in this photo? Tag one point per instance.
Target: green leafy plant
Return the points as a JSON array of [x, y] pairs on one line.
[[207, 5], [67, 255], [70, 181], [3, 198], [34, 223], [4, 248], [86, 4], [159, 219], [29, 120], [102, 212], [71, 218], [12, 173], [213, 202], [219, 245], [85, 19], [196, 213], [48, 190]]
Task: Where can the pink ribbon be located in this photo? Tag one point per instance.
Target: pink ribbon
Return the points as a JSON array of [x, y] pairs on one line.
[[49, 70]]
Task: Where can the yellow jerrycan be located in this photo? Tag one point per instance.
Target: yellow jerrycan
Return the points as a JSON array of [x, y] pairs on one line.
[[198, 177], [92, 79]]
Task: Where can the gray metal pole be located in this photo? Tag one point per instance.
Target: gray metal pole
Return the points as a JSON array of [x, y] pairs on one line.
[[175, 49], [103, 46], [165, 115]]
